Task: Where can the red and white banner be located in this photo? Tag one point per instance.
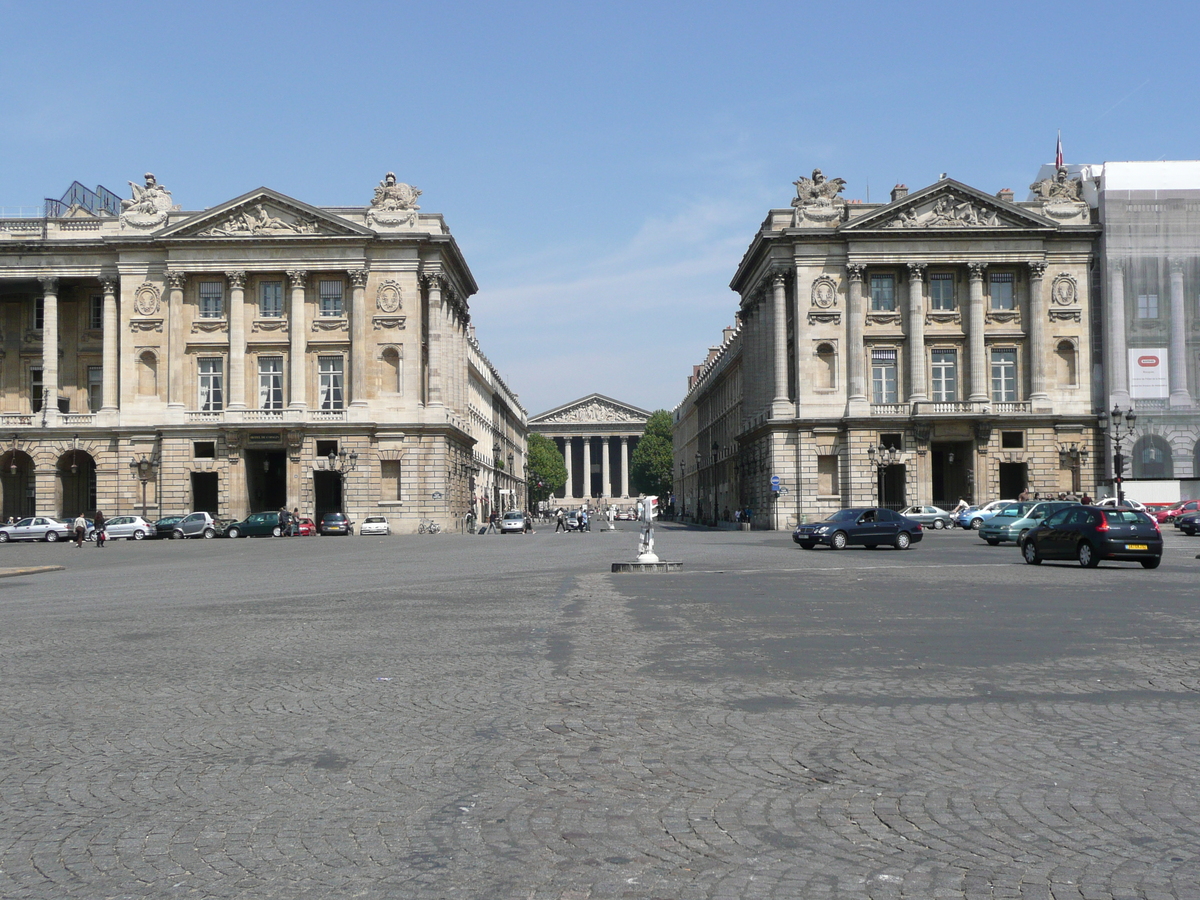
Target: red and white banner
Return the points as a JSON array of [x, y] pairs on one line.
[[1148, 379]]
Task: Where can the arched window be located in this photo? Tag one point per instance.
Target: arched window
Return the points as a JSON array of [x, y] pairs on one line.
[[826, 367], [1068, 364], [393, 370], [148, 374], [1152, 458]]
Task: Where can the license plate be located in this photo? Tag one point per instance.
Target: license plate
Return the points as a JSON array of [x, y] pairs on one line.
[[1136, 547]]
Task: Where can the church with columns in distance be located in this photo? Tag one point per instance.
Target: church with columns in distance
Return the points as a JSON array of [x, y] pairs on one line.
[[257, 354]]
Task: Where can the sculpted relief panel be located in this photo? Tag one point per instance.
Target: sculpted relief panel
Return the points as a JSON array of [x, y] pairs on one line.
[[594, 411], [258, 220], [948, 211], [394, 204]]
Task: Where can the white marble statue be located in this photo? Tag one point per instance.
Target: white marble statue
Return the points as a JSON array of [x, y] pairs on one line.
[[649, 509]]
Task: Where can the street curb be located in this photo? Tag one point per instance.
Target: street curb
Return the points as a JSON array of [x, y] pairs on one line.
[[29, 570]]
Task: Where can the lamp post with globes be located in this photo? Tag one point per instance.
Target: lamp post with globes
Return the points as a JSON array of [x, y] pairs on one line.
[[882, 458], [1119, 426], [143, 470]]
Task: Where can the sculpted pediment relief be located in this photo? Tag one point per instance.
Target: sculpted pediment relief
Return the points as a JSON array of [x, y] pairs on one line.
[[593, 409], [264, 213], [949, 205]]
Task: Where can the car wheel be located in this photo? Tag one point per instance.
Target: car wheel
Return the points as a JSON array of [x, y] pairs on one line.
[[1087, 555], [1030, 552], [233, 533], [938, 524], [1150, 563], [51, 537], [903, 541], [804, 545], [1190, 532], [177, 535], [209, 534], [139, 535], [838, 541], [3, 537], [276, 531], [992, 541], [976, 524]]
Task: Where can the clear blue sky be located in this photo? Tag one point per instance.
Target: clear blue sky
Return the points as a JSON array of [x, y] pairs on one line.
[[603, 166]]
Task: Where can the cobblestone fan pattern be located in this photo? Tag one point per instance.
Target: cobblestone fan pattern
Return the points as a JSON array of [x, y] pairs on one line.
[[485, 717]]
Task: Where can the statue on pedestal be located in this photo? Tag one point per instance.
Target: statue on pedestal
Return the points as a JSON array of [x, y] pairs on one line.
[[649, 509]]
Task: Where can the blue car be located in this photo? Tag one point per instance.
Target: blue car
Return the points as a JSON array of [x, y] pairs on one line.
[[875, 527], [974, 517]]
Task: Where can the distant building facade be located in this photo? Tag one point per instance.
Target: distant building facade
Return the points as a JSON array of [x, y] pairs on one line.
[[932, 348], [597, 436], [258, 354]]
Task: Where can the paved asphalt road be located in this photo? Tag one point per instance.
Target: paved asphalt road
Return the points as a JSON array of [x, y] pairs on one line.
[[498, 717]]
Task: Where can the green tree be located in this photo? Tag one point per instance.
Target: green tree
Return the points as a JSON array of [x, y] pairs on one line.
[[653, 460], [547, 471]]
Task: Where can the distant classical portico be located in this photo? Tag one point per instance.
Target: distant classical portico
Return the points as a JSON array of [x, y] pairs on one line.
[[596, 436]]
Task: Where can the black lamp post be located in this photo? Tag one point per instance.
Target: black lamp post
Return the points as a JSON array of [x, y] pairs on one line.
[[881, 458], [143, 470], [1119, 432], [343, 462]]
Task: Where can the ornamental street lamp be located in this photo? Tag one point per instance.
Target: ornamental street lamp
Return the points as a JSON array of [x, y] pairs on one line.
[[882, 458], [1119, 432], [143, 470], [343, 462]]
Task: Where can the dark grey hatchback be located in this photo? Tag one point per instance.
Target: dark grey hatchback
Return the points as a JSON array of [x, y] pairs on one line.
[[1090, 534]]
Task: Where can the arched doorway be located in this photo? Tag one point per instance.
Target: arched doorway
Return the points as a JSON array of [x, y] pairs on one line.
[[77, 483], [17, 485], [1152, 458]]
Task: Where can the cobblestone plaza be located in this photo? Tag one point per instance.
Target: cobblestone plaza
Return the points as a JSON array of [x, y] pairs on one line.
[[318, 718]]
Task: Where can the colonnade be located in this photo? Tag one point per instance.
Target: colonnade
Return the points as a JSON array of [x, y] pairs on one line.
[[610, 453]]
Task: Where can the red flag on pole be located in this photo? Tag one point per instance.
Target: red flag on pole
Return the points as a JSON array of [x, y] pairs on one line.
[[1058, 159]]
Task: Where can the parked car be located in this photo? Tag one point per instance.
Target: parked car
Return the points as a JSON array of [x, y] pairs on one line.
[[1159, 511], [375, 525], [37, 528], [513, 522], [164, 526], [261, 524], [930, 516], [977, 515], [1090, 534], [1189, 524], [1127, 503], [197, 524], [1179, 509], [131, 528], [1013, 522], [307, 527], [873, 527], [336, 523]]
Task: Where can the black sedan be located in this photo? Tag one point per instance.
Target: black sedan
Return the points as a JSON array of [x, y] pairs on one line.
[[874, 527], [1189, 524], [1090, 534]]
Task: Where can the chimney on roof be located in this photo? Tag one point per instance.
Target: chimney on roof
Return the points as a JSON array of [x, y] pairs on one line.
[[1005, 194], [900, 190], [726, 334]]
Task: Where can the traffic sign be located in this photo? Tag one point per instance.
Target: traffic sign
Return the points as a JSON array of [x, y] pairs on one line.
[[775, 482]]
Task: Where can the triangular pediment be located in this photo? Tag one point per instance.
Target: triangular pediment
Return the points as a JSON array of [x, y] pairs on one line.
[[265, 213], [592, 408], [948, 205]]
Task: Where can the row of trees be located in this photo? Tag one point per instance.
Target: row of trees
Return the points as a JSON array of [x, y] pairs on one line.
[[650, 467]]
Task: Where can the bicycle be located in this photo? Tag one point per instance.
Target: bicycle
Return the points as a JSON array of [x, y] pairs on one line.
[[431, 527]]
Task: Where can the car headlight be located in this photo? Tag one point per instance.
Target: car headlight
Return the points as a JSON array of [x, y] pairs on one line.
[[822, 529]]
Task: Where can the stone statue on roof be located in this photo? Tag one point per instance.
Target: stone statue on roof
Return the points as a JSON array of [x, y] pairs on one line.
[[1059, 188]]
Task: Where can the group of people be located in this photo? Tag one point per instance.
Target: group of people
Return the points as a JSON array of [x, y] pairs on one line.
[[289, 521]]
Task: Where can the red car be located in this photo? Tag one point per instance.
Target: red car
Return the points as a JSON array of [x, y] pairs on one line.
[[1177, 510], [307, 527]]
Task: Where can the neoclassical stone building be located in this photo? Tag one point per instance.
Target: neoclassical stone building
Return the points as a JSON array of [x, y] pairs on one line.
[[597, 436], [949, 326], [261, 353]]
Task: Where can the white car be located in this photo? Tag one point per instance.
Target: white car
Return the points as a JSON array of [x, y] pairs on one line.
[[132, 528], [1128, 504], [374, 525]]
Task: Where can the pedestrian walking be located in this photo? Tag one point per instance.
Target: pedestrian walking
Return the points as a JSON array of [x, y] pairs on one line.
[[492, 521], [528, 524], [1085, 499], [296, 522], [100, 522], [80, 525], [560, 521]]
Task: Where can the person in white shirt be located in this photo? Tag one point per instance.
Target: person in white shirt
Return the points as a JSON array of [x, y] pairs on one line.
[[80, 530]]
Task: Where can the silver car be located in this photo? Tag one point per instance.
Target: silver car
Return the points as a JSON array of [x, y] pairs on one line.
[[930, 516], [132, 528], [36, 528], [197, 524]]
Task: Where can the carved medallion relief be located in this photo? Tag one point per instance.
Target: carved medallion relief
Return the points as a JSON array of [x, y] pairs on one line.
[[389, 297]]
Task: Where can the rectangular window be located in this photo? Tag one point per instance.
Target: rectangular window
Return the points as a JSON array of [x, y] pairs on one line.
[[212, 300], [270, 299], [204, 449], [883, 292], [389, 472], [329, 369], [95, 313], [39, 312], [827, 476], [330, 293], [1004, 376], [324, 448], [883, 376], [1147, 307], [95, 388], [945, 375], [941, 290], [35, 388], [1002, 290], [270, 382], [212, 383], [1012, 440]]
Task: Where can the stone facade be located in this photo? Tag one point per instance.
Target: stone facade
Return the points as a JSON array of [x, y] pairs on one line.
[[596, 436], [948, 325], [234, 350]]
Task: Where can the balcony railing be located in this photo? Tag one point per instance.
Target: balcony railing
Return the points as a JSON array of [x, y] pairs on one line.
[[1010, 407], [8, 420], [945, 407], [1151, 404], [889, 409], [78, 419], [196, 417], [329, 415]]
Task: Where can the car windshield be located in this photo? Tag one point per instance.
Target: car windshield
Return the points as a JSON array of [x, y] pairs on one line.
[[1122, 516], [844, 515], [514, 515]]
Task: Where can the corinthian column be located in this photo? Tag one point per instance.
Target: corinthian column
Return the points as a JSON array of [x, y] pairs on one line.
[[297, 340], [49, 343], [587, 465], [1118, 374], [1039, 363], [1180, 395], [109, 360], [624, 466], [237, 340], [780, 406], [359, 336], [606, 472], [175, 339], [916, 332], [434, 332], [855, 314], [569, 493], [975, 343]]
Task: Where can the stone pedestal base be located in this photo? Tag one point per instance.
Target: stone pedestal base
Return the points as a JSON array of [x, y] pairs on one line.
[[647, 567]]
